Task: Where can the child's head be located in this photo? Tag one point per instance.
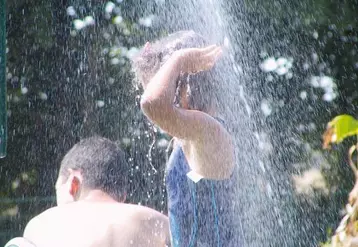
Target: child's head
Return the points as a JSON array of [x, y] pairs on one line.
[[197, 88]]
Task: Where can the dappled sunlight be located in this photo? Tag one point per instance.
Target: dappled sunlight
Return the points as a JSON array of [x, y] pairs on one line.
[[310, 182], [288, 68]]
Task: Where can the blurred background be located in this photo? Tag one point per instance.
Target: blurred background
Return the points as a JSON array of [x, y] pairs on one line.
[[68, 77]]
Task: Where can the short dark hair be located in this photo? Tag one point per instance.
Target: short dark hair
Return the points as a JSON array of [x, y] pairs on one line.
[[148, 61], [102, 164]]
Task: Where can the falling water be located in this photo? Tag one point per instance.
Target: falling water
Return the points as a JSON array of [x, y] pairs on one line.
[[254, 209], [263, 200], [68, 78]]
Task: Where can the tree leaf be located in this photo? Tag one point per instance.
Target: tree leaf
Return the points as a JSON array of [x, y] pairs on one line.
[[339, 128]]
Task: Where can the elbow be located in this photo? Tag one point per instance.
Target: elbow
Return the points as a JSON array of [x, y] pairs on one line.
[[230, 166], [155, 109], [229, 162], [226, 172], [144, 104], [229, 170]]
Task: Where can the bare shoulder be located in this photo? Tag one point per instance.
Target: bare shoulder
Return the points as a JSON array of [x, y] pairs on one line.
[[147, 224], [146, 214], [37, 223], [138, 215]]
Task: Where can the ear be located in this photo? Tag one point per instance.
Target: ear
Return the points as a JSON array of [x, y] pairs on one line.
[[75, 183], [75, 187]]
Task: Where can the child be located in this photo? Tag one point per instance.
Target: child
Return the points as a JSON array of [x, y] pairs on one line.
[[178, 77]]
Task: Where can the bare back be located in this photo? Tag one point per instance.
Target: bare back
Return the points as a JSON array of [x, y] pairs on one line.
[[91, 224]]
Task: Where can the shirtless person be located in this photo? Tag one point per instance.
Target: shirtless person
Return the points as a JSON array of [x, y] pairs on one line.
[[91, 211]]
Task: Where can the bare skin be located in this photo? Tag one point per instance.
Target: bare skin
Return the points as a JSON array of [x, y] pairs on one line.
[[207, 145], [92, 223], [92, 218]]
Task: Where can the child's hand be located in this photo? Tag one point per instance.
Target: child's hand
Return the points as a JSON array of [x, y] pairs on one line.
[[193, 60]]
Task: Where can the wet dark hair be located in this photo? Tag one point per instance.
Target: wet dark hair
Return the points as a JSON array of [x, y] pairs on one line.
[[102, 164], [201, 85]]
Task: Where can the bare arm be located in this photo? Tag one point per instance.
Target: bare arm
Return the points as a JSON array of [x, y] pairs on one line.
[[159, 225], [197, 127], [154, 228], [157, 99], [31, 230]]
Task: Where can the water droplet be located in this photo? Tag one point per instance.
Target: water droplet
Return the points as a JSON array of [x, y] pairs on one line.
[[71, 11], [266, 108], [126, 141], [89, 21], [146, 21], [314, 57], [314, 81], [111, 81], [289, 75], [312, 126], [344, 38], [73, 33], [281, 61], [115, 61], [100, 103], [329, 96], [126, 32], [303, 95], [162, 143], [306, 66], [117, 20], [315, 35], [326, 82], [109, 7], [226, 42], [281, 70], [269, 78], [79, 24], [132, 52], [43, 96], [24, 90], [16, 99], [269, 65]]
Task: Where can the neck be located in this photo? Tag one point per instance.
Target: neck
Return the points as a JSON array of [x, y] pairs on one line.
[[96, 196]]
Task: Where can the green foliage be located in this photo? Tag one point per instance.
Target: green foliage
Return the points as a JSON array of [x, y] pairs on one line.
[[340, 128], [65, 83], [344, 126], [3, 96]]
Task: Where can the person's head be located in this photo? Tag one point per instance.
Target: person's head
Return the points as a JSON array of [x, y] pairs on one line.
[[197, 89], [94, 163]]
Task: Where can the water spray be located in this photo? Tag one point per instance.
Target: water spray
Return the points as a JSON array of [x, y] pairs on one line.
[[3, 112]]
